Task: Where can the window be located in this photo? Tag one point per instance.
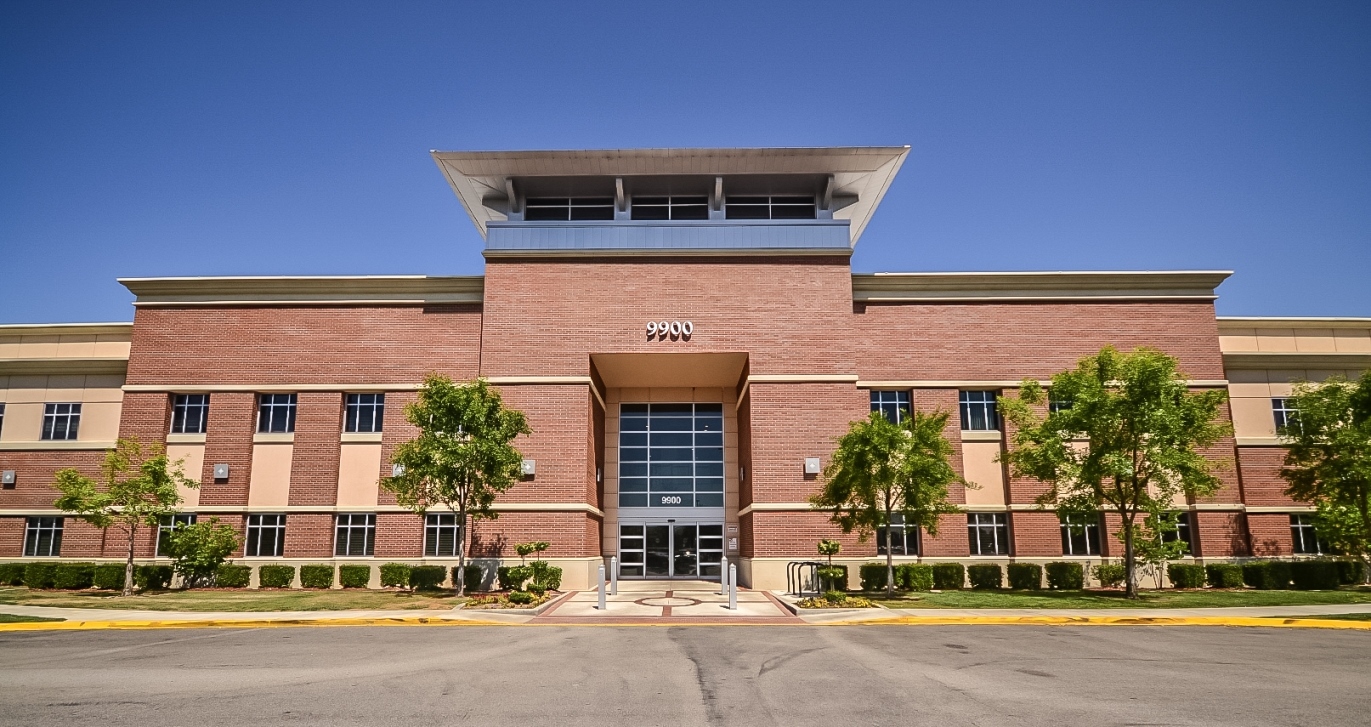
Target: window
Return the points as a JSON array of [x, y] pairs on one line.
[[978, 411], [355, 535], [770, 208], [569, 208], [988, 533], [1302, 535], [1055, 405], [1182, 532], [2, 416], [169, 523], [671, 455], [904, 539], [894, 404], [364, 412], [60, 421], [1285, 413], [1080, 536], [189, 413], [670, 208], [441, 535], [266, 535], [43, 537], [275, 413]]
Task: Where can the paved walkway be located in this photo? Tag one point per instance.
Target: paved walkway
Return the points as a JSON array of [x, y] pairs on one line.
[[668, 602]]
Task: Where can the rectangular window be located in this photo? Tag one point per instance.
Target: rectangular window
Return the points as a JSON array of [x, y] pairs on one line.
[[266, 536], [275, 413], [978, 411], [60, 421], [189, 413], [1055, 405], [894, 404], [441, 535], [670, 208], [1080, 536], [1285, 413], [568, 208], [355, 535], [1303, 537], [2, 417], [904, 539], [43, 537], [671, 455], [168, 524], [988, 533], [365, 412], [1183, 531], [774, 207]]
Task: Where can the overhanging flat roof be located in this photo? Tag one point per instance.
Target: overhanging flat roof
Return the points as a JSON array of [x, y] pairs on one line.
[[1037, 286], [863, 172]]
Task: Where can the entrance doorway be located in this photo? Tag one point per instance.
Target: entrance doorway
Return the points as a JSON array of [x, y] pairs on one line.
[[670, 550]]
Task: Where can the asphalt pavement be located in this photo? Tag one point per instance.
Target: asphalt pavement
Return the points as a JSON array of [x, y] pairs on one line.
[[729, 675]]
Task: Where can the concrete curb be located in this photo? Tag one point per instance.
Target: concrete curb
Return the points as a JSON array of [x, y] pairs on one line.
[[242, 623], [1242, 621]]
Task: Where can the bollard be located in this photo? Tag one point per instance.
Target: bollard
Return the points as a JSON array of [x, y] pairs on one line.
[[601, 605], [733, 588], [614, 575], [723, 576]]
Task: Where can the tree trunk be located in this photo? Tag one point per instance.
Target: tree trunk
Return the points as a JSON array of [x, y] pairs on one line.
[[461, 575], [889, 562], [1130, 562], [128, 564]]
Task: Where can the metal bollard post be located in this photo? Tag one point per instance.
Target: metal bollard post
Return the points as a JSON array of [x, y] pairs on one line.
[[733, 588], [614, 575], [723, 576], [601, 605]]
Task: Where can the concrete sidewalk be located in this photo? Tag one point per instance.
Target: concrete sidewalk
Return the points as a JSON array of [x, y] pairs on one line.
[[881, 614]]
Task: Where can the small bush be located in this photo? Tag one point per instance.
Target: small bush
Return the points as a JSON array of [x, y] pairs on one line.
[[1314, 575], [233, 576], [354, 576], [547, 576], [109, 576], [835, 596], [275, 576], [512, 577], [197, 550], [537, 589], [520, 597], [1267, 575], [1111, 575], [40, 575], [1185, 575], [1223, 575], [872, 576], [1025, 576], [914, 577], [985, 576], [12, 574], [426, 577], [395, 575], [316, 576], [1349, 572], [74, 576], [152, 577], [949, 576], [472, 578], [1065, 576], [832, 578]]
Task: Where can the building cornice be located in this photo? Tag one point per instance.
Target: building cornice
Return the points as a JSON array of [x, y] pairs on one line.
[[1178, 285], [1295, 360], [1230, 323], [64, 366], [115, 328], [326, 290]]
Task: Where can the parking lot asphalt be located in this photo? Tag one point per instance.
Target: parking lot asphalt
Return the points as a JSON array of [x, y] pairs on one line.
[[728, 675]]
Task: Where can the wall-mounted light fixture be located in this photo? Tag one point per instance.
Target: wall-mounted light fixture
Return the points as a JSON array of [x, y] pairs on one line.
[[529, 467], [811, 465], [7, 479], [221, 472]]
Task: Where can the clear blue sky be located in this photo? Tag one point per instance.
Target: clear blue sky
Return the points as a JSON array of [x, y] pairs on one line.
[[285, 138]]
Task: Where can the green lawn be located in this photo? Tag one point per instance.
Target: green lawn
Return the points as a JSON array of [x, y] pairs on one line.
[[1116, 599], [9, 618], [1335, 616], [236, 600]]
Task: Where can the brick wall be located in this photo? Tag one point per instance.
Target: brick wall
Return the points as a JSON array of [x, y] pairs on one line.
[[1270, 534], [314, 461], [1262, 484], [228, 440]]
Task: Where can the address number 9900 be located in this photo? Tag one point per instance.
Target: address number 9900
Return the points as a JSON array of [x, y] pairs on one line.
[[671, 499], [669, 329]]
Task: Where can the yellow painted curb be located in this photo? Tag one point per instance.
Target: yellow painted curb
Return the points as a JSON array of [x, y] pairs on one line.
[[240, 623], [1244, 621]]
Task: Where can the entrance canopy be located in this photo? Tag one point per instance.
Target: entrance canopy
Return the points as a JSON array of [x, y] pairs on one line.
[[676, 370]]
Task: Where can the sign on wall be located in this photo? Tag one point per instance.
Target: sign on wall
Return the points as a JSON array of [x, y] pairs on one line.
[[674, 330]]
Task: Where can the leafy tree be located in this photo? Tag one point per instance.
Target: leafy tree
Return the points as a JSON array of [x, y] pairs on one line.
[[1154, 546], [463, 456], [830, 548], [880, 469], [198, 549], [1121, 436], [137, 487], [1329, 461]]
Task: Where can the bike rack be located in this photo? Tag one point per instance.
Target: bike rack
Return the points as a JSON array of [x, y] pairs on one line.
[[802, 576]]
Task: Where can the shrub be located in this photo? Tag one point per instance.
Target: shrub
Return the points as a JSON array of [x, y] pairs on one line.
[[1065, 576], [354, 576], [1314, 575], [197, 550], [914, 576], [275, 576], [1111, 575], [1025, 576], [1223, 575], [74, 576], [1185, 575], [872, 576], [40, 575], [547, 576], [520, 597], [512, 577], [152, 577], [316, 576], [985, 576], [109, 576], [1267, 575], [232, 576], [835, 596], [1349, 572], [949, 576], [832, 578], [472, 578], [11, 574], [536, 589], [395, 574], [426, 577]]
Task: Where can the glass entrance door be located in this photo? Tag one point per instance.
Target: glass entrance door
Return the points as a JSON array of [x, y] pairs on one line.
[[651, 550]]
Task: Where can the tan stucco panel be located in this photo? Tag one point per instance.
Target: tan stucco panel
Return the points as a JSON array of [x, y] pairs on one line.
[[357, 481], [23, 422], [99, 422], [270, 484], [192, 458], [1252, 417], [980, 467]]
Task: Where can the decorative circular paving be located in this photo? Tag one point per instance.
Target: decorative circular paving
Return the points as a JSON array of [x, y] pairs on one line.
[[663, 601]]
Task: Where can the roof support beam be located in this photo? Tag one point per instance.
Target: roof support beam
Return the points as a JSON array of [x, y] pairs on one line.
[[513, 198], [718, 202], [828, 193], [620, 199]]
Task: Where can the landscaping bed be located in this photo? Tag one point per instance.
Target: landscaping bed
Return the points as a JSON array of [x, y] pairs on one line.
[[501, 601], [237, 599]]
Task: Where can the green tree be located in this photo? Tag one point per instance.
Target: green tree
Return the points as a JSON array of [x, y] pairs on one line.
[[1121, 434], [463, 456], [830, 548], [198, 549], [1328, 462], [881, 469], [137, 487], [1155, 545]]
